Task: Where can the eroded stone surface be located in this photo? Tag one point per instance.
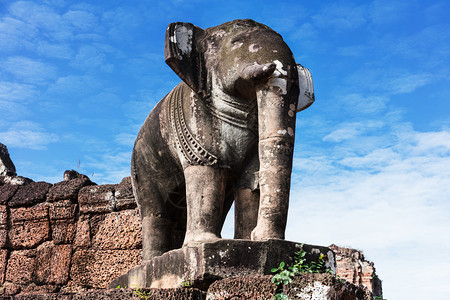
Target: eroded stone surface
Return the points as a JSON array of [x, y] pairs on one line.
[[95, 268], [203, 263], [7, 192], [6, 165], [30, 226], [30, 194], [67, 189], [97, 199], [3, 256], [119, 230], [124, 195], [353, 267], [62, 220], [52, 264], [245, 287], [3, 225], [83, 232], [21, 266]]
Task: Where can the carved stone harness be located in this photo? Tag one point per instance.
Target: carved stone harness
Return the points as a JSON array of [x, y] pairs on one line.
[[189, 146]]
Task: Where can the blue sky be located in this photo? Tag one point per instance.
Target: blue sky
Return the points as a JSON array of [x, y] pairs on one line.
[[371, 166]]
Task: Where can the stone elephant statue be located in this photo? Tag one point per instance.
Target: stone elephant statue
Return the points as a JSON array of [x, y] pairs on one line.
[[224, 134]]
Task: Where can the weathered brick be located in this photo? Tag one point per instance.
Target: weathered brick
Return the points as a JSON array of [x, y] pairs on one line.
[[83, 232], [62, 220], [7, 192], [353, 267], [3, 225], [3, 261], [20, 266], [65, 190], [96, 268], [97, 199], [119, 230], [52, 264], [30, 226], [30, 194], [124, 195]]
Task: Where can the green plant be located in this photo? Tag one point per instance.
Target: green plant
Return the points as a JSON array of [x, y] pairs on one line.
[[285, 274], [143, 294], [378, 298], [186, 284], [121, 287]]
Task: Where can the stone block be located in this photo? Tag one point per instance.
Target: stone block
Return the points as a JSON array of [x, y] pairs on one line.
[[97, 199], [30, 194], [3, 261], [52, 264], [67, 190], [203, 263], [62, 220], [30, 226], [243, 287], [306, 286], [7, 192], [41, 292], [119, 230], [124, 195], [3, 225], [10, 289], [95, 268], [83, 232], [20, 266], [353, 267]]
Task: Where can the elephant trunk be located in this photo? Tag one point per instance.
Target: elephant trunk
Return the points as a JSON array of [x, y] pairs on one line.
[[276, 119]]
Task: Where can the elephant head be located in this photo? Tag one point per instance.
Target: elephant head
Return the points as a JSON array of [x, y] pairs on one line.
[[246, 61]]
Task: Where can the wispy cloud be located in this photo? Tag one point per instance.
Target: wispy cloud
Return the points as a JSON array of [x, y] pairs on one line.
[[388, 81], [391, 200], [28, 135], [12, 91], [341, 17], [29, 70]]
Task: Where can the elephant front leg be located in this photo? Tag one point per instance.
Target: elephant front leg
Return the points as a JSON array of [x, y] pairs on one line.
[[205, 194]]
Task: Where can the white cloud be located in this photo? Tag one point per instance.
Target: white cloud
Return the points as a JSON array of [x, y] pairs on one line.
[[88, 58], [392, 201], [108, 167], [341, 17], [29, 70], [12, 92], [347, 131], [28, 135], [81, 19], [74, 85], [388, 81], [62, 51]]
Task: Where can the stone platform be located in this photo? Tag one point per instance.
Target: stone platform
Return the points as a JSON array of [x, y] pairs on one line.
[[201, 264]]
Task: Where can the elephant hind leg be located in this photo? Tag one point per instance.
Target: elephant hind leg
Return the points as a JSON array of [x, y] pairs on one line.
[[156, 236], [157, 227], [246, 207]]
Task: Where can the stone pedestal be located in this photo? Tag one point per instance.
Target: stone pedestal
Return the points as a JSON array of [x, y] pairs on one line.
[[201, 264]]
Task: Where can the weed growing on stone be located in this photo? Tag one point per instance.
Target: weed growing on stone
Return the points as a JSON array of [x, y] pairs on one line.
[[142, 294], [285, 274], [186, 284]]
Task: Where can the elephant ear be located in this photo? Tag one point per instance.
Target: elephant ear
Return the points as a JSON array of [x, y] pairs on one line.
[[306, 96], [184, 55]]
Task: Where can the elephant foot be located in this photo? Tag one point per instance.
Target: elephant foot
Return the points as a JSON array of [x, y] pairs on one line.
[[193, 238]]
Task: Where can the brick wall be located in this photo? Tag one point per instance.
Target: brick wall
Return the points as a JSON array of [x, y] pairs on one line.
[[70, 236]]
